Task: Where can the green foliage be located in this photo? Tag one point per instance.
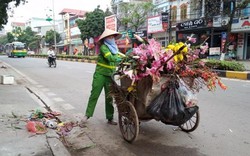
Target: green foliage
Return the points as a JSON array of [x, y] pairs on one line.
[[93, 24], [108, 12], [26, 36], [225, 65], [33, 45], [4, 8], [3, 40], [10, 37], [49, 37], [134, 15]]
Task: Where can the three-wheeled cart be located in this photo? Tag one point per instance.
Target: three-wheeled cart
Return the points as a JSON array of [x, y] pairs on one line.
[[132, 106]]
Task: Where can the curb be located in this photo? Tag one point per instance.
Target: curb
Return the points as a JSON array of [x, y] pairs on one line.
[[68, 59], [56, 146], [234, 74]]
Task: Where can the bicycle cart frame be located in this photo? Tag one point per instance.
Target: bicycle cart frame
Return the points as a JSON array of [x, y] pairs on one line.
[[132, 106]]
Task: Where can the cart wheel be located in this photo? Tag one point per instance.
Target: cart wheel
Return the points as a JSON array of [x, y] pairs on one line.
[[128, 121], [192, 123]]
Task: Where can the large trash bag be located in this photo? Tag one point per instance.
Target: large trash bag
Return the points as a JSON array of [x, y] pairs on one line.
[[169, 107]]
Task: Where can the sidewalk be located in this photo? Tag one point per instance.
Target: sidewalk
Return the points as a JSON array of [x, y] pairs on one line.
[[16, 104]]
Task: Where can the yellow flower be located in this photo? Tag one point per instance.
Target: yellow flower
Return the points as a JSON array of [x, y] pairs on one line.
[[184, 50], [172, 47], [178, 58]]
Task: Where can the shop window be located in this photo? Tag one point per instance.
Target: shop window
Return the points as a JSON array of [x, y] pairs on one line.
[[246, 11], [183, 11], [66, 24], [212, 8], [173, 14]]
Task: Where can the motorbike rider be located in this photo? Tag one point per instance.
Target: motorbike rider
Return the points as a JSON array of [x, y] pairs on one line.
[[50, 54]]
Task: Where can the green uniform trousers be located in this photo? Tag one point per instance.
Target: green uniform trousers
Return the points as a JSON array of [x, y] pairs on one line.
[[100, 81]]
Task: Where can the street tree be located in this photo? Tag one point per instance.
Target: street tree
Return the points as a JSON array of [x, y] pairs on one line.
[[3, 40], [93, 24], [5, 7], [134, 15], [230, 10], [10, 37], [35, 44], [49, 37], [26, 36]]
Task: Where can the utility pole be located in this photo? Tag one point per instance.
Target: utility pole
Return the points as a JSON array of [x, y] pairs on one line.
[[169, 24], [54, 24]]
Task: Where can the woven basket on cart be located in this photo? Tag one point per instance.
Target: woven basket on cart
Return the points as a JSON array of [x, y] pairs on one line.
[[145, 91]]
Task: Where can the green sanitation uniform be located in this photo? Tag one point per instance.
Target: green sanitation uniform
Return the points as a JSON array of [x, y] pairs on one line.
[[106, 66]]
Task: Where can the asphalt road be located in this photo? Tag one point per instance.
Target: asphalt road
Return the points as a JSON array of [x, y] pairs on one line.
[[223, 130]]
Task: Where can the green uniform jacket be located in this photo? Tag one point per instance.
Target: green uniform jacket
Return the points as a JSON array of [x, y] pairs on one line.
[[106, 62]]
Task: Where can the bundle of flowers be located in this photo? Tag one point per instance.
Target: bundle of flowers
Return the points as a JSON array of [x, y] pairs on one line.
[[178, 60]]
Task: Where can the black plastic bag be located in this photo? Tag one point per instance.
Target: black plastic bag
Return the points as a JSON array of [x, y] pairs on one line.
[[154, 108], [169, 107]]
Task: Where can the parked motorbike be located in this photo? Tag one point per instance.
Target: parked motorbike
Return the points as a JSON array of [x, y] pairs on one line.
[[52, 61]]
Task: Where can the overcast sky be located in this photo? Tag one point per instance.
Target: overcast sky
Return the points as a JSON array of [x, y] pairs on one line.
[[39, 8]]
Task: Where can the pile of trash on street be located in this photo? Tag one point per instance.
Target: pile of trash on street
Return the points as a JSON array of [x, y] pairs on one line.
[[39, 122]]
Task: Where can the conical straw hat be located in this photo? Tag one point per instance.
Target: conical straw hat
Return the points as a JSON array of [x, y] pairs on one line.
[[108, 32]]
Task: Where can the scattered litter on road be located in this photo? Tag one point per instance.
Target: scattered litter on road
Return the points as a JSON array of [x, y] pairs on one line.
[[39, 122], [3, 66]]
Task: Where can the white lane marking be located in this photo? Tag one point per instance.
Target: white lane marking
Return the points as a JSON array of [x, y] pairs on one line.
[[51, 94], [39, 86], [58, 99], [239, 80], [68, 106], [246, 85]]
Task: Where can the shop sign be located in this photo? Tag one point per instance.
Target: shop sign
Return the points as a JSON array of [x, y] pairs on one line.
[[191, 24], [75, 31], [164, 19], [241, 24], [223, 40], [219, 21], [214, 51], [142, 34], [125, 34], [154, 25], [240, 45], [76, 41], [111, 22], [123, 43]]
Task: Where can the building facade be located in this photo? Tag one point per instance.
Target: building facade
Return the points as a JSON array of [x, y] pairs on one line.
[[72, 35], [205, 18]]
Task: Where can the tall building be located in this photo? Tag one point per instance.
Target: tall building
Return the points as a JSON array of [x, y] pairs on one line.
[[72, 34], [36, 22]]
